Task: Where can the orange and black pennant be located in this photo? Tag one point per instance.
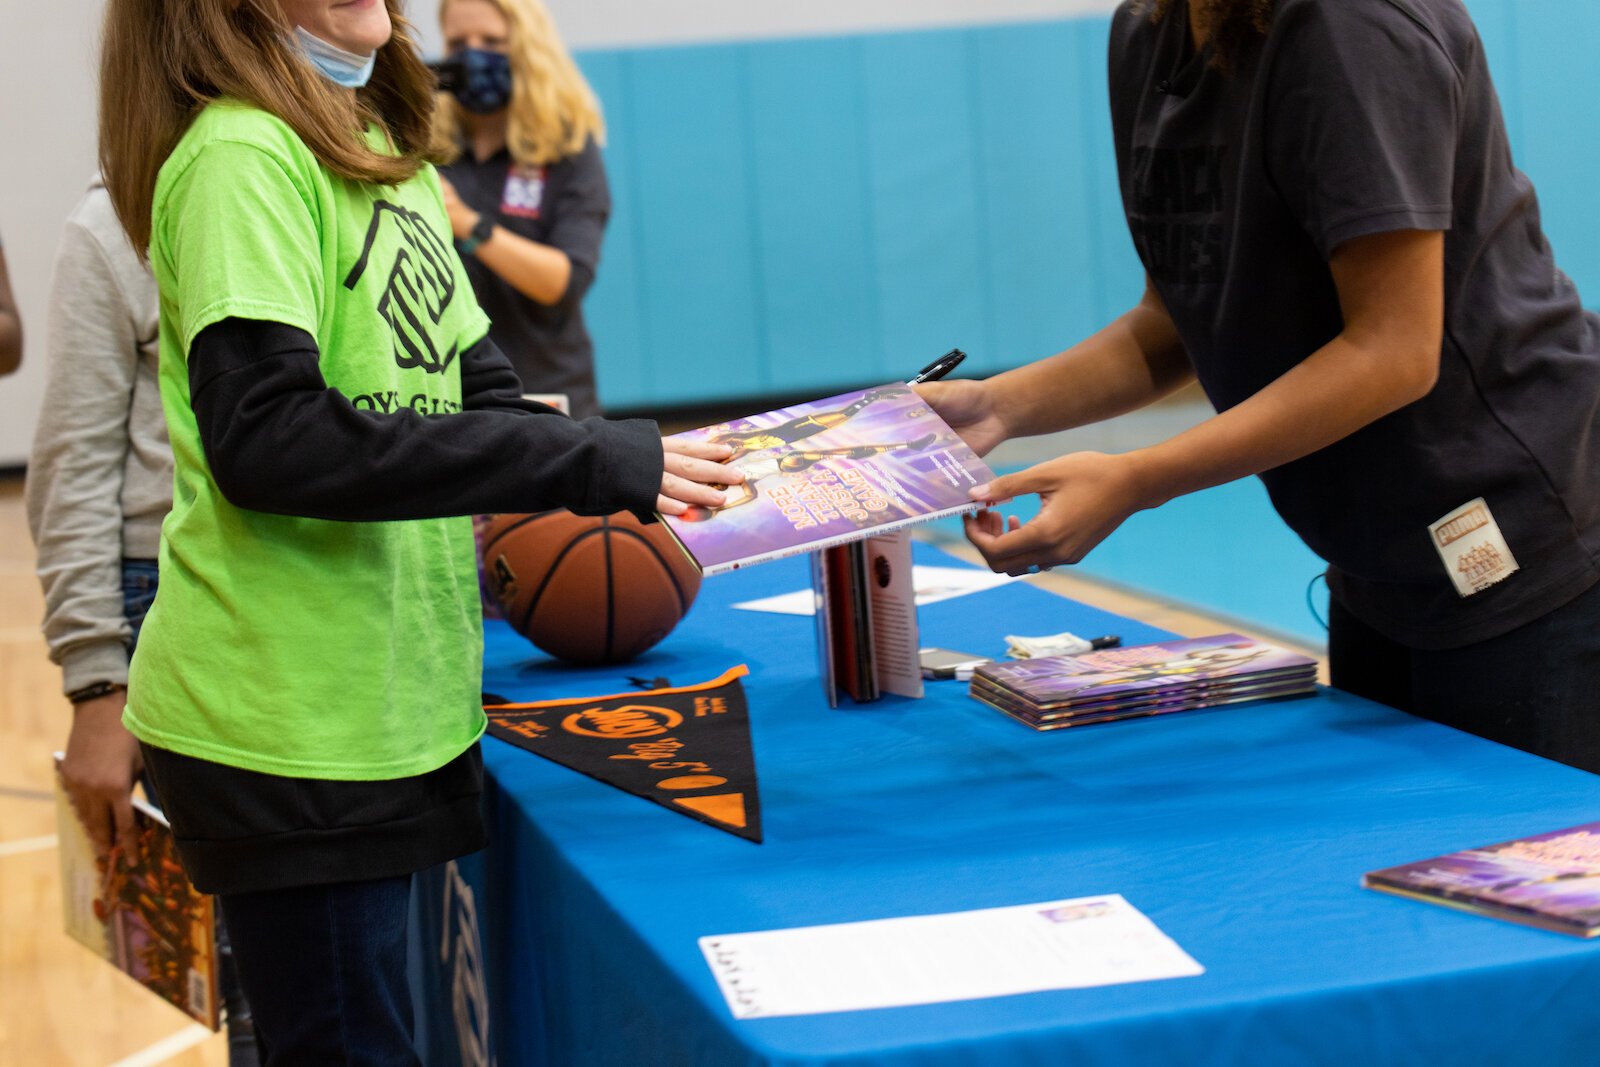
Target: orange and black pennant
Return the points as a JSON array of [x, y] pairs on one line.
[[686, 748]]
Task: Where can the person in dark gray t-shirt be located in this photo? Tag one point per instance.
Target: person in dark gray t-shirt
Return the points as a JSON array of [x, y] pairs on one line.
[[1338, 246], [525, 188]]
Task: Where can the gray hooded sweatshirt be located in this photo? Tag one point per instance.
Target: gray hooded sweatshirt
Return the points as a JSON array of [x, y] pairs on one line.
[[100, 475]]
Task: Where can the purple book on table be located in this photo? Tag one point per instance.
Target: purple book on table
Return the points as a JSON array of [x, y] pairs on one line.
[[1191, 663], [827, 473], [1551, 881]]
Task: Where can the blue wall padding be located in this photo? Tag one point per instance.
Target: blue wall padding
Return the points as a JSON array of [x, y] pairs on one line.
[[1542, 56], [809, 214], [929, 242], [699, 295], [812, 214]]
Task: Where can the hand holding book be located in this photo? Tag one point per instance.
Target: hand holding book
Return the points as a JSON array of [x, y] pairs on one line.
[[1083, 498], [969, 409], [694, 473], [98, 772]]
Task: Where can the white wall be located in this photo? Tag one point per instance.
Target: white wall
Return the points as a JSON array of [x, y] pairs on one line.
[[47, 125], [48, 53], [632, 23]]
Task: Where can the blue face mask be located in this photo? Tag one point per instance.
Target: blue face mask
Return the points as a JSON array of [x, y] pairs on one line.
[[483, 80], [338, 66]]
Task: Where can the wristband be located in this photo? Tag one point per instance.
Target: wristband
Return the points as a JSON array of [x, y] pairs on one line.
[[481, 231], [93, 691]]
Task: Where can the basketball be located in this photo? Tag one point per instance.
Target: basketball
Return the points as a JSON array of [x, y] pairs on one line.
[[589, 590]]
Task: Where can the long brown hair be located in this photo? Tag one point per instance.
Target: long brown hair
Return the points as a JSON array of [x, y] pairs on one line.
[[162, 61], [553, 112], [1226, 24]]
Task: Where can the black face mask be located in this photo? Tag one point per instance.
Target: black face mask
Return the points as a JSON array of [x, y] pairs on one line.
[[478, 78]]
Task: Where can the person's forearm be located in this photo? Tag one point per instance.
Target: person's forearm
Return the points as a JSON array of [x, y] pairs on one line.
[[537, 271], [76, 466], [1132, 362], [1342, 387], [10, 324], [10, 341], [279, 440], [1391, 293]]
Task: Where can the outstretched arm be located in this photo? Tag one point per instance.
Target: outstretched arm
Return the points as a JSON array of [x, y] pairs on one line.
[[1132, 362], [1391, 293], [279, 440]]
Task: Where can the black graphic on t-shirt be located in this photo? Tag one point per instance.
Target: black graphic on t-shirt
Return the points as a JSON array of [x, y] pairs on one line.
[[1177, 204], [418, 289]]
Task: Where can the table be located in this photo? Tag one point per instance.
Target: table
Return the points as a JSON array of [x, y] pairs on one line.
[[1242, 832]]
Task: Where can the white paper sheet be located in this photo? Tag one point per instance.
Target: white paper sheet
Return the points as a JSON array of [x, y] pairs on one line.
[[929, 959], [933, 585]]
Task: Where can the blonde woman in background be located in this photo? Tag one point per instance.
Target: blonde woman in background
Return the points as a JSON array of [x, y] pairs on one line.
[[524, 186]]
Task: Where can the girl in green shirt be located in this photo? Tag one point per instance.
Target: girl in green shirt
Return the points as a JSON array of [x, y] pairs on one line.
[[306, 691]]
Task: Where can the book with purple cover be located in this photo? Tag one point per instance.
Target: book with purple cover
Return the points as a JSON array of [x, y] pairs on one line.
[[827, 473], [1163, 667], [1551, 880]]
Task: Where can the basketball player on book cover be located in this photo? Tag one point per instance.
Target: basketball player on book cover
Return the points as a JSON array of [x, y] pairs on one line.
[[773, 464], [744, 442], [1201, 663]]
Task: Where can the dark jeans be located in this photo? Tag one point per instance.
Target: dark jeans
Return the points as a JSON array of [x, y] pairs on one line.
[[1536, 688], [139, 581], [325, 970]]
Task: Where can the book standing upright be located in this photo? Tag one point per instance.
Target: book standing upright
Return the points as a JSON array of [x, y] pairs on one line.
[[867, 619]]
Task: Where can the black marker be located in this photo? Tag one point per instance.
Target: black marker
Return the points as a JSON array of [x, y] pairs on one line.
[[939, 367], [1088, 644]]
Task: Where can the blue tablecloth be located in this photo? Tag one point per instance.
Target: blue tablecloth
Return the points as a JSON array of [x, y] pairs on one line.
[[1242, 832]]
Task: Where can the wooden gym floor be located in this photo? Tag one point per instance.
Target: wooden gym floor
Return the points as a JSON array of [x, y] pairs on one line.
[[59, 1004]]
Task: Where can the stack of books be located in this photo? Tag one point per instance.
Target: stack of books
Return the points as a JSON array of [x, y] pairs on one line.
[[1125, 683]]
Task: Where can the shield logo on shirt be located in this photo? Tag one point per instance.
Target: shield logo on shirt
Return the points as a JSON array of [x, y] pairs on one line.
[[523, 192], [418, 288]]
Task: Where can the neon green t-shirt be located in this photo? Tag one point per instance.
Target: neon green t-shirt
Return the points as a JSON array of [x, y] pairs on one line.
[[296, 646]]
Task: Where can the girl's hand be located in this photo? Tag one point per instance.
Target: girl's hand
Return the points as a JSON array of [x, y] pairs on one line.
[[462, 217], [969, 409], [694, 474], [98, 771], [1083, 498]]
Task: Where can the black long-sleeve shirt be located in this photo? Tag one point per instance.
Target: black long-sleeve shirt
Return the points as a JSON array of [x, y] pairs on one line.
[[279, 440]]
